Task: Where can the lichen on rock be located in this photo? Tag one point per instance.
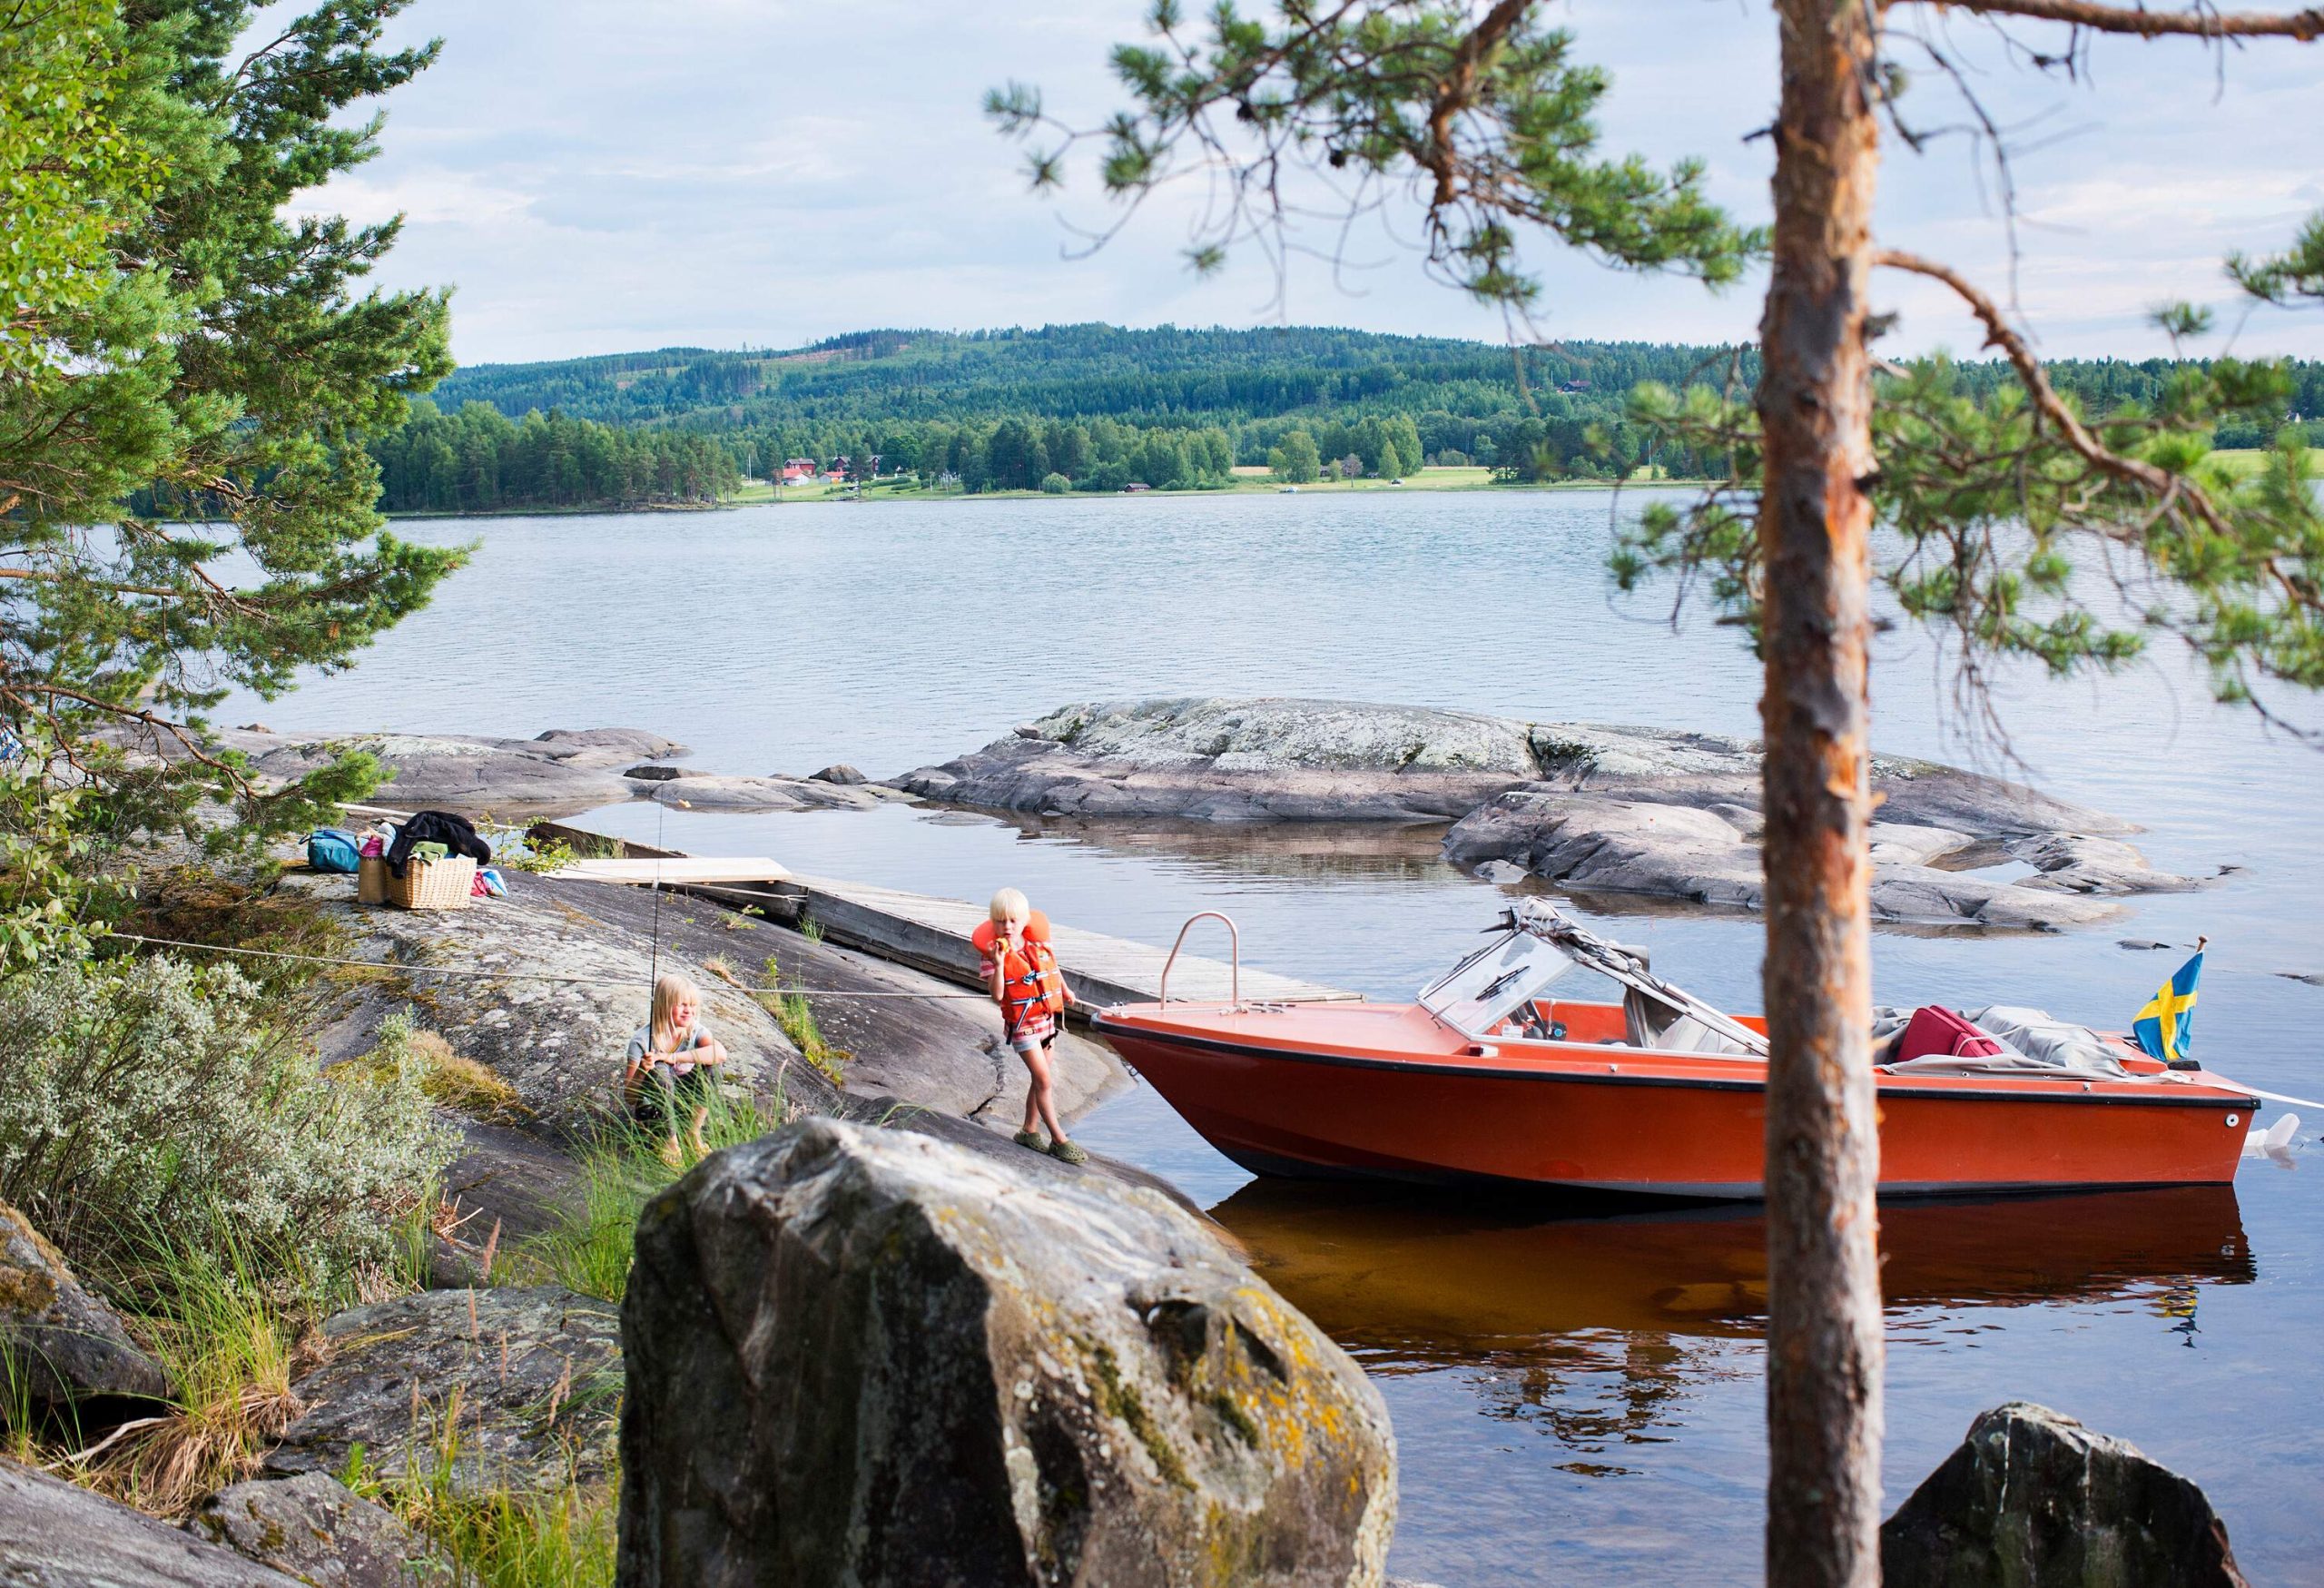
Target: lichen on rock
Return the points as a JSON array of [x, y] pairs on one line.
[[856, 1355]]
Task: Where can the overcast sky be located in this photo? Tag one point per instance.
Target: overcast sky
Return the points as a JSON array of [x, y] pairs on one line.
[[600, 175]]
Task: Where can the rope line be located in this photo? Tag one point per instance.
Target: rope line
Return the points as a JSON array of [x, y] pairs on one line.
[[212, 947]]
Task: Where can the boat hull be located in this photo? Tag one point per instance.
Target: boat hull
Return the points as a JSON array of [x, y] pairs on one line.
[[1619, 1120]]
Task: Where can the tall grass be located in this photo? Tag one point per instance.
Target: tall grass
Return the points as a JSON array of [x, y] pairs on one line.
[[502, 1539], [621, 1169], [230, 1319], [792, 1012]]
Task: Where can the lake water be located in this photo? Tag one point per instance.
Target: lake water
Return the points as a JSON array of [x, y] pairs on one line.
[[1576, 1399]]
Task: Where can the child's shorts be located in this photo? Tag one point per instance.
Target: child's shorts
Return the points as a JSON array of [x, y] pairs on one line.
[[1034, 1031]]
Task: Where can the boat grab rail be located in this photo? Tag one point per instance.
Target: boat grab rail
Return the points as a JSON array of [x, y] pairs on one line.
[[1234, 949]]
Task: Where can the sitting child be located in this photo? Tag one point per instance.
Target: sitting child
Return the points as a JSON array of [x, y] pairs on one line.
[[668, 1066]]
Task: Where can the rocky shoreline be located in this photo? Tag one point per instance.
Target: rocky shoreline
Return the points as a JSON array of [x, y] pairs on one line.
[[1088, 1364], [1591, 808]]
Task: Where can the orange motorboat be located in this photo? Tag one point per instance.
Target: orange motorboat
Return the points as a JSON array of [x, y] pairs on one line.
[[1486, 1078]]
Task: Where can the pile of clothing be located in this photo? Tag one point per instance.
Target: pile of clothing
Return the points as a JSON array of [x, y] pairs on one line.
[[425, 836]]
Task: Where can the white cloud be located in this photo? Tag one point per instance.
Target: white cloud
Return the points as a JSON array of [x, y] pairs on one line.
[[599, 175]]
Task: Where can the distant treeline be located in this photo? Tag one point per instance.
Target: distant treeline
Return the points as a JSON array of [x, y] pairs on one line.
[[479, 460], [1096, 408]]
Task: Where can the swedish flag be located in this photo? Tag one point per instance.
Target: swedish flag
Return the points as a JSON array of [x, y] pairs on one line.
[[2165, 1027]]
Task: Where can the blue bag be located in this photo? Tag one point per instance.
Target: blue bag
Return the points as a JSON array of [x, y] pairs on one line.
[[333, 848]]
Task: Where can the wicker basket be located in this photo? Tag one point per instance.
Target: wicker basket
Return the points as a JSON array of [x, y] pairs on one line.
[[371, 881], [433, 884]]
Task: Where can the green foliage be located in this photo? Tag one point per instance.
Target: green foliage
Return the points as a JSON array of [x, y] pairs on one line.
[[2287, 278], [2004, 531], [214, 361], [71, 173], [449, 1079], [479, 461], [1297, 460], [56, 889], [797, 1019], [1003, 410], [1485, 121], [147, 1101]]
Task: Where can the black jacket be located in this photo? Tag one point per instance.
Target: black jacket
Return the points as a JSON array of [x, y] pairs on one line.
[[453, 832]]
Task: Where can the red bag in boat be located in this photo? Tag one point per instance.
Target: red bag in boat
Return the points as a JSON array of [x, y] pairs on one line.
[[1934, 1030]]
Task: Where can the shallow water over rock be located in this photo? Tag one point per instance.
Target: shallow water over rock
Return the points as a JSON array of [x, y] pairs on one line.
[[1576, 1397]]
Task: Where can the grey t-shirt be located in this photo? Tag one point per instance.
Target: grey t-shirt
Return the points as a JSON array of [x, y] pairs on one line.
[[641, 1043]]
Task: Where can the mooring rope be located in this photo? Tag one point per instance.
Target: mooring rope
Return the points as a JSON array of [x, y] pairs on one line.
[[479, 970]]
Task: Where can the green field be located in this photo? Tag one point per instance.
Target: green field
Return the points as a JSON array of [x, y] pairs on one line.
[[2243, 462], [1247, 482]]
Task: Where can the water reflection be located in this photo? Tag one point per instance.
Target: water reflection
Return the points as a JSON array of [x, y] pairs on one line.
[[1373, 851], [1600, 1328], [1444, 1282]]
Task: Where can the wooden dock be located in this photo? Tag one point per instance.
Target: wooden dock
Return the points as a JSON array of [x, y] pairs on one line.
[[931, 935]]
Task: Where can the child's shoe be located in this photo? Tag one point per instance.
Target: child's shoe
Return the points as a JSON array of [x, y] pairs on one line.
[[1065, 1151], [1032, 1138]]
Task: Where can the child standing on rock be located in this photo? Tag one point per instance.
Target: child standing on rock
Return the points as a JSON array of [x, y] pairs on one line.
[[1022, 970]]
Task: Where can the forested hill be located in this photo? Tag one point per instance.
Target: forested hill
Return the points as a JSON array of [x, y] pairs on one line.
[[1081, 408], [1070, 372], [1166, 375]]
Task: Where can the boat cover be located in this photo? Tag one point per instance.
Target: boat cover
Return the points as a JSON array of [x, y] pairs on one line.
[[2033, 1042]]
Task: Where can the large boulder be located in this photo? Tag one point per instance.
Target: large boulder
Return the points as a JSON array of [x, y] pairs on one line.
[[312, 1527], [62, 1345], [519, 1387], [2033, 1499], [863, 1356], [55, 1535]]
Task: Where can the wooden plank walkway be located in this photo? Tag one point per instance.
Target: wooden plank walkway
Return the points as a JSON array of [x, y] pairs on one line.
[[932, 935]]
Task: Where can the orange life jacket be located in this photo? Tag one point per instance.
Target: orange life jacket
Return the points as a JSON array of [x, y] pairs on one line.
[[1030, 978]]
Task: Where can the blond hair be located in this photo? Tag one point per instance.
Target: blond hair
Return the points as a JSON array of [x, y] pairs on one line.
[[669, 991], [1008, 904]]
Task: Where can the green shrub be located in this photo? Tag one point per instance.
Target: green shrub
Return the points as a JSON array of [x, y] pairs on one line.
[[148, 1101], [1057, 485]]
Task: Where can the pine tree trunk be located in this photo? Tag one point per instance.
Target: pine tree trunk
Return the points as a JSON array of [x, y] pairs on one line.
[[1824, 1337]]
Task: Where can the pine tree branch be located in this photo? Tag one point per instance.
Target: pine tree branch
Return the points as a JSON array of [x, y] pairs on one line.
[[50, 577], [2168, 489], [2200, 22], [1458, 92], [18, 690]]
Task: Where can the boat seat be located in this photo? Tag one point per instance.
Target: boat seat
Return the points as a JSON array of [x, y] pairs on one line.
[[1648, 1022]]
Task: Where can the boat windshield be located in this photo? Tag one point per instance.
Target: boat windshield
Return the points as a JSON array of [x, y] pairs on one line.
[[1491, 983]]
